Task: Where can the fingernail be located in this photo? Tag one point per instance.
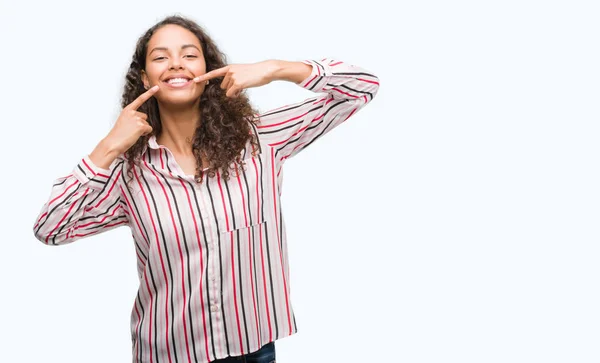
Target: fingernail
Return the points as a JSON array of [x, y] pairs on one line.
[[196, 79], [155, 88]]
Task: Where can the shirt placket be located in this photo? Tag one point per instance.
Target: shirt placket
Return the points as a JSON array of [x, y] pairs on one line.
[[213, 268]]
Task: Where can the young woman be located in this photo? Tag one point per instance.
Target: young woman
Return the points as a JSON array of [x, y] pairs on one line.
[[195, 173]]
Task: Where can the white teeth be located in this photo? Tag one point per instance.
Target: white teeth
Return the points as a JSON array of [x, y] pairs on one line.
[[177, 80]]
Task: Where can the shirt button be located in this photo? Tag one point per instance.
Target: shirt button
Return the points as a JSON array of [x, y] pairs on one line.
[[213, 308]]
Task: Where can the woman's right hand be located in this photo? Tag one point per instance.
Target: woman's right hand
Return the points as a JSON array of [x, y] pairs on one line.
[[130, 125]]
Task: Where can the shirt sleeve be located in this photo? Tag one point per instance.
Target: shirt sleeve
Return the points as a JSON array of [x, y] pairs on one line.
[[342, 90], [84, 203]]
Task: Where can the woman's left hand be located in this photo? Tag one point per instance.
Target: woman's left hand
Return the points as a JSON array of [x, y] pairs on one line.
[[238, 77]]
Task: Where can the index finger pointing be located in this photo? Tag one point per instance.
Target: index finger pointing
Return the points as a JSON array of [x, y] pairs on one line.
[[212, 74], [143, 98]]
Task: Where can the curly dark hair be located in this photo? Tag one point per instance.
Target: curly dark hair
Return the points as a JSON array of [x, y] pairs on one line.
[[225, 122]]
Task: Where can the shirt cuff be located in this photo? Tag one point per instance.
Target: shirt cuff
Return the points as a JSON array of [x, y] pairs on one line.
[[89, 173], [318, 77]]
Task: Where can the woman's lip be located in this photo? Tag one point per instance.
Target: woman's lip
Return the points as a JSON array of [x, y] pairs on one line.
[[178, 85]]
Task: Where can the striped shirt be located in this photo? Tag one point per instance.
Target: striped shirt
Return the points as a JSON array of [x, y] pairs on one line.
[[212, 257]]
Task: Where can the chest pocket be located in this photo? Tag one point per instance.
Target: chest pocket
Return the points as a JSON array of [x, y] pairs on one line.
[[241, 201]]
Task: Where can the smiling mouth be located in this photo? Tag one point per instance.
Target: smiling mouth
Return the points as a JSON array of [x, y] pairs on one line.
[[177, 80]]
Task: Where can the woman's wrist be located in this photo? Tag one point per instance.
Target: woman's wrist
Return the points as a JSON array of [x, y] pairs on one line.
[[104, 154]]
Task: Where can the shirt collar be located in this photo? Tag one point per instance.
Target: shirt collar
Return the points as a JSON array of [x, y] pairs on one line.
[[151, 144]]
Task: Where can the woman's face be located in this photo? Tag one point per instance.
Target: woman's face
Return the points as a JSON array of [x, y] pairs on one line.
[[174, 53]]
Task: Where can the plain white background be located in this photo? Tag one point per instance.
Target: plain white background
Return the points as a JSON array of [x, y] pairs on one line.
[[454, 219]]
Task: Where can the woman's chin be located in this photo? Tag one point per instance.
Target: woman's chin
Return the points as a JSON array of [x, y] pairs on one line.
[[178, 99]]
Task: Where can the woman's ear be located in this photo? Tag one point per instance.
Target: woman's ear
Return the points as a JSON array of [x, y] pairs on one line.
[[145, 79]]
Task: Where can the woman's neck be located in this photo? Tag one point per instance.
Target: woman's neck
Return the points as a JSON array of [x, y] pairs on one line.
[[178, 128]]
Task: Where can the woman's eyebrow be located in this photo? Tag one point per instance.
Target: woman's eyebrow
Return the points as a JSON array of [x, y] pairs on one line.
[[182, 47]]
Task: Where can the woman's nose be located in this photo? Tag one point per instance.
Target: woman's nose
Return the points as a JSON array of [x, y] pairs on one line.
[[175, 63]]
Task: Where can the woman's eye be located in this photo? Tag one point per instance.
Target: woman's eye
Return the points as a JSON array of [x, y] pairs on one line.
[[189, 55]]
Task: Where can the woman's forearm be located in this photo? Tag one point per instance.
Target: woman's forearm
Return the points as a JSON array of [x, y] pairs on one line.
[[290, 71]]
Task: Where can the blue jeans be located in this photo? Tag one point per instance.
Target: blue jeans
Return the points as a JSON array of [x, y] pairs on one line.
[[266, 354]]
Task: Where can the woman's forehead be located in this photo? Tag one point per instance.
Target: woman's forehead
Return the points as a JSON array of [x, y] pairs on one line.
[[172, 36]]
